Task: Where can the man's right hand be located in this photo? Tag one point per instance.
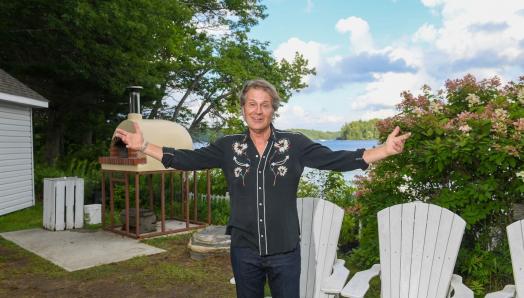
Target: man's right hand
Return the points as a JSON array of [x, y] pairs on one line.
[[132, 140]]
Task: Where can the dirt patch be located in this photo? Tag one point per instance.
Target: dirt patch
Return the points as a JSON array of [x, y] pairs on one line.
[[170, 274]]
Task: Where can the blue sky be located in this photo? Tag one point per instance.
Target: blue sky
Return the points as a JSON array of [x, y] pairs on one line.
[[367, 52]]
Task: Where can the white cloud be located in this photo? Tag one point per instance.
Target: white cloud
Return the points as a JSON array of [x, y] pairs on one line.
[[471, 27], [384, 93], [426, 33], [360, 39], [295, 116], [413, 56], [380, 114], [484, 38], [432, 3], [313, 51]]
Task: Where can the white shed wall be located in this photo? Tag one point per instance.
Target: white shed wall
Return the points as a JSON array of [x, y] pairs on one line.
[[16, 158]]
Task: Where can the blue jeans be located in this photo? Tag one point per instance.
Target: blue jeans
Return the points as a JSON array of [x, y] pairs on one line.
[[250, 271]]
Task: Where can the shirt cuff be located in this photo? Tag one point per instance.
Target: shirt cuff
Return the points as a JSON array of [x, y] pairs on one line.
[[168, 157], [361, 163]]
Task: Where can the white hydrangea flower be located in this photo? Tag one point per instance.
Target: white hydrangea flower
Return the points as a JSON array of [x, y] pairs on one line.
[[418, 111], [501, 114], [520, 96], [435, 107], [520, 175], [473, 100], [465, 128]]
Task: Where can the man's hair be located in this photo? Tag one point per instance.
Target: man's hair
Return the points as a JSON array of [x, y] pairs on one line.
[[260, 84]]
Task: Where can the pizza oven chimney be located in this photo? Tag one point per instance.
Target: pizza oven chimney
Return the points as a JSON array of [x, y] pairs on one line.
[[134, 99]]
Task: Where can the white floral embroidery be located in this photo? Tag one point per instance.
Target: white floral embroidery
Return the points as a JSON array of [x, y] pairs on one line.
[[281, 162], [239, 148], [238, 171], [282, 170], [242, 166], [282, 145]]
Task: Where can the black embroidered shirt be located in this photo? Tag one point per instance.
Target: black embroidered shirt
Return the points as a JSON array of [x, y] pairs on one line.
[[263, 188]]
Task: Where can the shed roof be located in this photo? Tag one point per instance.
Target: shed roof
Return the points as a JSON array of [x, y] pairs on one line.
[[12, 90]]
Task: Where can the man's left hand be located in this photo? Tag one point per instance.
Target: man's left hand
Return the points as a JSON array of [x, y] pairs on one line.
[[394, 145], [395, 142]]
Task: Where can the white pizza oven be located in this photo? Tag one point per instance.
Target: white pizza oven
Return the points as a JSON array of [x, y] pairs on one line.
[[159, 132]]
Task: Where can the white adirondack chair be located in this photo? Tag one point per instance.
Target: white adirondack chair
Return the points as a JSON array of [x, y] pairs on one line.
[[322, 274], [419, 244], [516, 249]]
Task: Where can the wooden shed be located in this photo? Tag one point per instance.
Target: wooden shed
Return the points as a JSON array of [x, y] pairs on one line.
[[16, 143]]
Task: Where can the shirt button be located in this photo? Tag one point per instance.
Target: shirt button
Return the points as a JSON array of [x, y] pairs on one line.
[[260, 204], [262, 236], [260, 172], [259, 187], [256, 155], [263, 156], [260, 220]]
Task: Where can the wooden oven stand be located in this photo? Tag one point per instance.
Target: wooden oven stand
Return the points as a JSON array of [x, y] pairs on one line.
[[123, 177]]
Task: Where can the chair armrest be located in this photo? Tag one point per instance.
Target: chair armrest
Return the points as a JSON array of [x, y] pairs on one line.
[[359, 283], [458, 289], [334, 283], [508, 292]]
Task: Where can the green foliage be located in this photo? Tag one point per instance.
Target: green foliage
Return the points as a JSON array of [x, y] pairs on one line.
[[464, 155], [360, 130], [86, 169], [317, 134]]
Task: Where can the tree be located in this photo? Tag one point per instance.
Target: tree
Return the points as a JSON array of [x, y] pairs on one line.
[[212, 79], [360, 130], [82, 54]]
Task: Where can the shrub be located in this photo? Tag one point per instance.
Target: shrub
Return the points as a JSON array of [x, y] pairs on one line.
[[465, 155]]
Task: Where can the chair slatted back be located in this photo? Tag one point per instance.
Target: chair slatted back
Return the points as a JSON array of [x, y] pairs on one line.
[[419, 244], [320, 223], [516, 248]]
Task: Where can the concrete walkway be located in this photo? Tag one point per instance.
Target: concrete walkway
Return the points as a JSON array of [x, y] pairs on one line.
[[79, 249]]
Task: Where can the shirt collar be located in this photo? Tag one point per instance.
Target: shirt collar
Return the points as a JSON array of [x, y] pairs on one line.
[[272, 135]]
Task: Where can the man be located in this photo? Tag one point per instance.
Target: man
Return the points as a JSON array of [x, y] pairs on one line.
[[263, 168]]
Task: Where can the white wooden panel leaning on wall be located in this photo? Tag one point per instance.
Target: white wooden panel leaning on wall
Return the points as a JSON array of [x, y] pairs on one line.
[[16, 158]]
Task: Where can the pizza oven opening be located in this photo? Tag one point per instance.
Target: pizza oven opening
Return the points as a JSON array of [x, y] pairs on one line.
[[118, 148]]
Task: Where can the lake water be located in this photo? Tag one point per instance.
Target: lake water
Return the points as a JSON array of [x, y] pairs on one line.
[[349, 145]]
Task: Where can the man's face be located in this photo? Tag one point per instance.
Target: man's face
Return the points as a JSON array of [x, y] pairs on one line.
[[258, 109]]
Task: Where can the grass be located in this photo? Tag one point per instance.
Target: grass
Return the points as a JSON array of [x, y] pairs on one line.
[[28, 218], [169, 274], [25, 274]]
